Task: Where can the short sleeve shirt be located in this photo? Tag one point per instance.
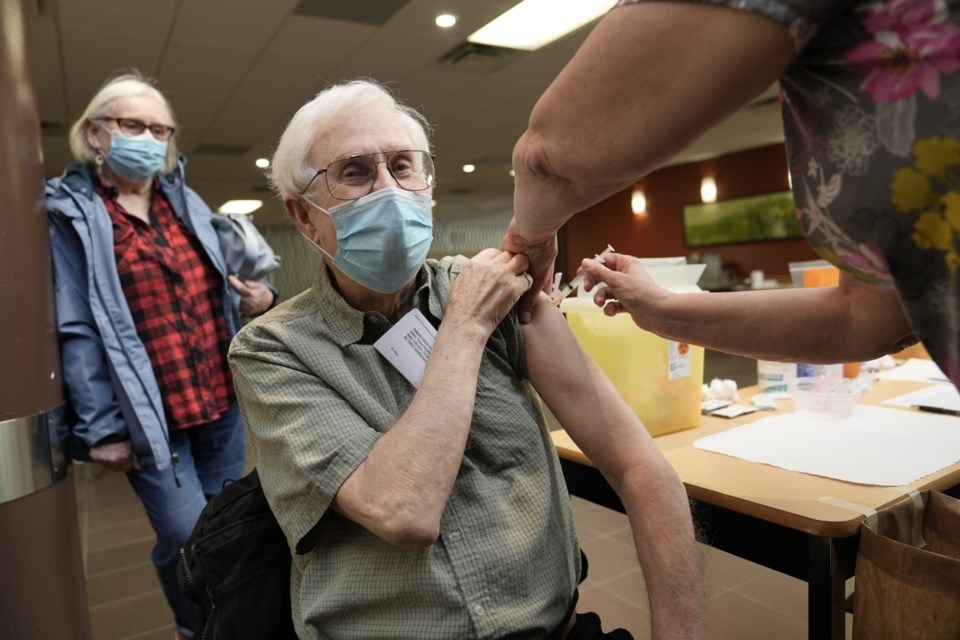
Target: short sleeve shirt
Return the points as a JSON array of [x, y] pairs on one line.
[[871, 109], [316, 396]]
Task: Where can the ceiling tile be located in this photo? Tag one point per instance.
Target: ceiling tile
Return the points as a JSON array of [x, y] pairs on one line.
[[284, 77], [373, 12], [243, 120], [128, 17], [229, 60], [317, 36], [90, 57], [226, 23]]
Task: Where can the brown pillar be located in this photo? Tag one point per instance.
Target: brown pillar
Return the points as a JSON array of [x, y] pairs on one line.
[[42, 592]]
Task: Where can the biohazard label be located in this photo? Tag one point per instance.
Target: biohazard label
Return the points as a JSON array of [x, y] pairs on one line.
[[678, 360]]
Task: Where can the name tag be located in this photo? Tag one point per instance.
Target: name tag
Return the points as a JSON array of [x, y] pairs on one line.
[[407, 345]]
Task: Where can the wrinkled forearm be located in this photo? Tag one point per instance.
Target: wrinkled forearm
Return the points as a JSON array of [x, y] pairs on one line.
[[400, 491], [659, 514]]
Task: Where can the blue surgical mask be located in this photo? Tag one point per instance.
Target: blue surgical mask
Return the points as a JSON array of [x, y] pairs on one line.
[[382, 238], [136, 159]]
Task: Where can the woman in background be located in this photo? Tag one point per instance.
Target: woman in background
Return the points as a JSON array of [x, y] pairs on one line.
[[144, 317]]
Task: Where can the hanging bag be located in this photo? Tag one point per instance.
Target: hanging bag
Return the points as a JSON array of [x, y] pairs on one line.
[[246, 251], [908, 571], [236, 567]]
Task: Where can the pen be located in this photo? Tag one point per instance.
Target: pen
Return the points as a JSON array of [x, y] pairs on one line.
[[944, 411]]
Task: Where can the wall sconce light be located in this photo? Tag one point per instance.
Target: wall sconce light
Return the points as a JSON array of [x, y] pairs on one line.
[[708, 190], [638, 202]]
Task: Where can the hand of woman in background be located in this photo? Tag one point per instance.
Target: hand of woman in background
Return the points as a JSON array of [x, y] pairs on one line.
[[489, 285], [116, 456], [255, 297], [541, 256], [630, 289]]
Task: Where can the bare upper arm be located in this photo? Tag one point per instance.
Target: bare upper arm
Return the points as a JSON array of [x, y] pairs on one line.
[[636, 93], [581, 397]]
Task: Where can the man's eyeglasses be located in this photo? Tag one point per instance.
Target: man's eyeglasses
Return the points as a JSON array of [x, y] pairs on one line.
[[354, 177], [134, 127]]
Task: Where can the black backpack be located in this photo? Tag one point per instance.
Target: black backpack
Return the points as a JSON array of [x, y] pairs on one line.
[[236, 567]]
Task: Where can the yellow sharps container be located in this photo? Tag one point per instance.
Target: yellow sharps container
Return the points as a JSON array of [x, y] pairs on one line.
[[661, 380]]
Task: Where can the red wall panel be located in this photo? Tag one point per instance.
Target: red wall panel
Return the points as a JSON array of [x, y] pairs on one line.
[[659, 233]]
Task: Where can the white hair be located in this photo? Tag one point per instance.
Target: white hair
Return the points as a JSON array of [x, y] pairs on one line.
[[291, 171], [131, 83]]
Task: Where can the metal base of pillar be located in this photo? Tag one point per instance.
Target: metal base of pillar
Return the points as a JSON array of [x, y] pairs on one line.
[[43, 593]]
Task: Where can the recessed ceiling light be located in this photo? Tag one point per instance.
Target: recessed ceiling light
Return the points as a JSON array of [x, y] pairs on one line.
[[534, 23], [263, 163], [240, 206], [446, 20], [469, 168]]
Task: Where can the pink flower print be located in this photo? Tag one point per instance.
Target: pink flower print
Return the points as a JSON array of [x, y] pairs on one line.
[[866, 259], [909, 51], [911, 14]]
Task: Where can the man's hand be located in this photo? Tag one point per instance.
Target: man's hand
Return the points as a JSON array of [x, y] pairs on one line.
[[487, 288], [541, 255], [116, 456], [255, 297], [630, 289]]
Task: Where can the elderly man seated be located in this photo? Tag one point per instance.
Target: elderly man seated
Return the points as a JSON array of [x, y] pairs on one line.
[[432, 500]]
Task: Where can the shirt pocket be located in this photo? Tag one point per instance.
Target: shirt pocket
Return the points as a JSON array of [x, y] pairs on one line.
[[125, 247]]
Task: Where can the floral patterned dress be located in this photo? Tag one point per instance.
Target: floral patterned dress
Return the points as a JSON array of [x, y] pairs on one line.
[[871, 110]]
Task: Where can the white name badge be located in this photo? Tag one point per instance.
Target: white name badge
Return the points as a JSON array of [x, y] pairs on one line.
[[407, 345]]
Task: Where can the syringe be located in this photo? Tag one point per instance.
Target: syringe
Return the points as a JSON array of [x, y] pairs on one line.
[[558, 295]]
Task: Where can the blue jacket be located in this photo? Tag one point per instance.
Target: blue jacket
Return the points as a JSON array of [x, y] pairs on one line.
[[108, 378]]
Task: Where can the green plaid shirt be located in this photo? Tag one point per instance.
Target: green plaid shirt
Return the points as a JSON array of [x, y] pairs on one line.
[[316, 395]]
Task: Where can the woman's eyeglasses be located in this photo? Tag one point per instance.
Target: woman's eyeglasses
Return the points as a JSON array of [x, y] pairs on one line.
[[134, 127], [354, 177]]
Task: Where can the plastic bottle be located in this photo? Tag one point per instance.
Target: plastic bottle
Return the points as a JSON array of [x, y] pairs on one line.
[[773, 377]]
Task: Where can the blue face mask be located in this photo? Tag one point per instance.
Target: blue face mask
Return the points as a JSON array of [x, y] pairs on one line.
[[382, 238], [136, 159]]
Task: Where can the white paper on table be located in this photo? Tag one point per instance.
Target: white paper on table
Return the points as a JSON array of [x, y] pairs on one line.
[[942, 396], [915, 369], [887, 447]]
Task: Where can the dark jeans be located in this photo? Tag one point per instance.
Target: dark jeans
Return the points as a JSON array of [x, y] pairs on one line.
[[209, 454]]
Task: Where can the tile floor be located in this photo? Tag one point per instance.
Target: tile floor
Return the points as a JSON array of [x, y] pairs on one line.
[[745, 601]]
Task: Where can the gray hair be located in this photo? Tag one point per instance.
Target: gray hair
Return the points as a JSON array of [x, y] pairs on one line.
[[290, 170], [131, 83]]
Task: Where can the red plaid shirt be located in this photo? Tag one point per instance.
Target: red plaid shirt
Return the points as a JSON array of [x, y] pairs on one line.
[[176, 297]]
